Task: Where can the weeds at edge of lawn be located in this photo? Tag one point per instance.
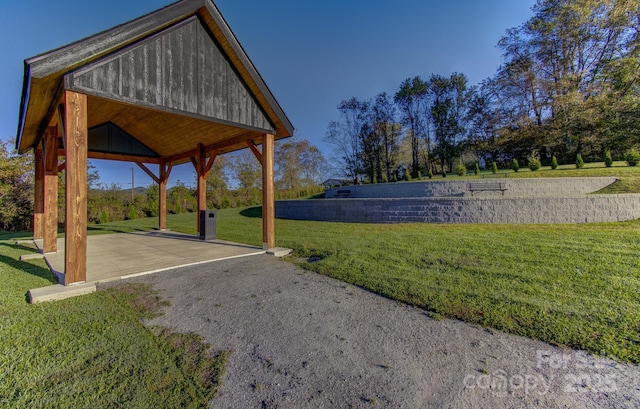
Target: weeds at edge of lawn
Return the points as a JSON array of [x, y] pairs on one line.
[[189, 351]]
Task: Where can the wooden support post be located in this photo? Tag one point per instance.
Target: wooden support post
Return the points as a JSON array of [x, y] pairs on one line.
[[50, 225], [268, 201], [202, 181], [38, 187], [165, 170], [75, 143]]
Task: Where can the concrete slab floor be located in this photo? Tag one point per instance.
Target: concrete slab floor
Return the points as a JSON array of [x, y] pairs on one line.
[[124, 255]]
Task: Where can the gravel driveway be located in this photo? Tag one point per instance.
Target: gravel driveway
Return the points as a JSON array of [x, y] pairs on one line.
[[303, 340]]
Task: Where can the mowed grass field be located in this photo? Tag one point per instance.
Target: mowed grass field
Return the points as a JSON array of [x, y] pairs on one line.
[[628, 177]]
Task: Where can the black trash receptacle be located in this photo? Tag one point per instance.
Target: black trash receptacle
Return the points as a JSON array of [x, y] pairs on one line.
[[208, 224]]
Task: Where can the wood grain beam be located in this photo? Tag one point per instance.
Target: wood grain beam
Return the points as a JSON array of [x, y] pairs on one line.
[[38, 190], [117, 157], [165, 171], [209, 165], [148, 172], [50, 227], [201, 164], [268, 200], [255, 150], [122, 158], [75, 135], [181, 156]]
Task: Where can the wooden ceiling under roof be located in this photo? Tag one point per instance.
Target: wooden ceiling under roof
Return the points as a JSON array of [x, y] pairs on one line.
[[173, 79]]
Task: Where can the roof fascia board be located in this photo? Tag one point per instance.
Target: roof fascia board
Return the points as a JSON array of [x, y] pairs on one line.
[[244, 58], [81, 51]]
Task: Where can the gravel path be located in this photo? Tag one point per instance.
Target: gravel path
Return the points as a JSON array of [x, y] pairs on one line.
[[303, 340]]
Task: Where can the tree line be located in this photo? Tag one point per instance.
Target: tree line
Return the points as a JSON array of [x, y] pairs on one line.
[[235, 180], [569, 84]]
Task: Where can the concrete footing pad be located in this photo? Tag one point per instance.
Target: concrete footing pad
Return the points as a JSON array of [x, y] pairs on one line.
[[279, 252], [60, 292], [31, 256]]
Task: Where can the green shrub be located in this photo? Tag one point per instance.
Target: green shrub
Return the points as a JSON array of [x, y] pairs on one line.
[[515, 165], [375, 179], [608, 160], [494, 168], [419, 175], [444, 172], [407, 176], [132, 213], [430, 174], [579, 162], [554, 162], [632, 157], [395, 177], [534, 163], [104, 216], [385, 179], [461, 170], [477, 169]]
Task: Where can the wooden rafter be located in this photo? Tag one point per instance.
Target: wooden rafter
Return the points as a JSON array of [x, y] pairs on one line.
[[209, 164], [255, 150], [148, 172]]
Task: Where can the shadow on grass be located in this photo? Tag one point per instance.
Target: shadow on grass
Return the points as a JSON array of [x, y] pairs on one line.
[[26, 266], [255, 212], [23, 235]]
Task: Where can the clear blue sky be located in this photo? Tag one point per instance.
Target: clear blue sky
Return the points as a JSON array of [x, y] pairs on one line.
[[311, 53]]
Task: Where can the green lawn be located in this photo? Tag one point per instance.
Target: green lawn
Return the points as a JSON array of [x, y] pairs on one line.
[[93, 351], [628, 176]]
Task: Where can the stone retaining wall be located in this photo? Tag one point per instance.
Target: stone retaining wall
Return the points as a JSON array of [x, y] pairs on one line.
[[575, 209], [516, 187]]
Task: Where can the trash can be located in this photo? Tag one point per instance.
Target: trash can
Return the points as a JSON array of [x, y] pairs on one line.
[[208, 224]]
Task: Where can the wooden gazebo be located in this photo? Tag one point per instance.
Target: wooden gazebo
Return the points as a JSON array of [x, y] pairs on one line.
[[170, 87]]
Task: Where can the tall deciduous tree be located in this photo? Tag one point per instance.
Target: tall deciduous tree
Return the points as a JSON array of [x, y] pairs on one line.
[[248, 173], [388, 131], [448, 115], [412, 99], [561, 69], [299, 164], [16, 190], [218, 183], [345, 136], [484, 119]]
